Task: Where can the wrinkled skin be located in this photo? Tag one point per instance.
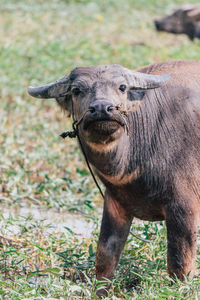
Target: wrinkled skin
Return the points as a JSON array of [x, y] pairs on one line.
[[143, 141], [184, 20]]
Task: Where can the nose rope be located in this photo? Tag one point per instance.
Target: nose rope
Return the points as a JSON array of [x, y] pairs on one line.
[[74, 134], [124, 115], [76, 123]]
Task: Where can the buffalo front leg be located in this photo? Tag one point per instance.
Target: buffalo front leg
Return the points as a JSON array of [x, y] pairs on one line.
[[114, 231], [182, 231]]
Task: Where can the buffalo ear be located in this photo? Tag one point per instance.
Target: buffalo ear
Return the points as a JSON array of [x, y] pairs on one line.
[[135, 95], [65, 102]]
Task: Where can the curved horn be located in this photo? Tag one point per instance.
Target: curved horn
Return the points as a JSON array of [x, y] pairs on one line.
[[51, 90], [138, 80]]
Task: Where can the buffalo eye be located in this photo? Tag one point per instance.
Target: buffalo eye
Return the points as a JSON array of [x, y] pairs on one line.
[[122, 88], [76, 91]]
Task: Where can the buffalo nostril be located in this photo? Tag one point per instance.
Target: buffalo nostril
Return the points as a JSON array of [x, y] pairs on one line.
[[92, 109], [100, 107], [110, 108]]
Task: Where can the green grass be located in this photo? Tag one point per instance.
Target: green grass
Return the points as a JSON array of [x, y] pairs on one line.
[[40, 42]]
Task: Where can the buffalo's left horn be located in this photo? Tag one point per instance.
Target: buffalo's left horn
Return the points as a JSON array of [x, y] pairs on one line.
[[138, 80], [51, 90]]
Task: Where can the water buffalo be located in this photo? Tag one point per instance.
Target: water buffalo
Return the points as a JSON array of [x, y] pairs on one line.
[[184, 20], [140, 131]]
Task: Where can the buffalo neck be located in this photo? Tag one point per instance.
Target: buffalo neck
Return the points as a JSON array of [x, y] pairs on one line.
[[113, 161], [128, 153]]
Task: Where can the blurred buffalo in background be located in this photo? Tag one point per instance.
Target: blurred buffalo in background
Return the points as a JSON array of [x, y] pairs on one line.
[[184, 20]]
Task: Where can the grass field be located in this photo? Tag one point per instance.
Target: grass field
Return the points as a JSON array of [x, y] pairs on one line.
[[44, 181]]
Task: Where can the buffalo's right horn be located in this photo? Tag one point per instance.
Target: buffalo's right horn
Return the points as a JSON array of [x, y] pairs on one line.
[[51, 90]]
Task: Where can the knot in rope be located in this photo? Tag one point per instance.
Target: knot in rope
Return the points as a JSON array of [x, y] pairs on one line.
[[71, 134]]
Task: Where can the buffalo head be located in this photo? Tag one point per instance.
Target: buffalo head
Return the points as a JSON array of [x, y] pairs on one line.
[[184, 20], [99, 97]]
